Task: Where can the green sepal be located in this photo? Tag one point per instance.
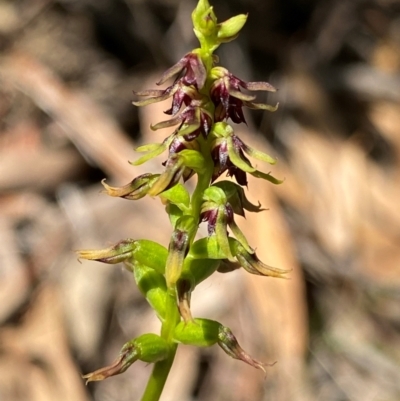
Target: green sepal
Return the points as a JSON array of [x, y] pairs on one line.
[[216, 195], [199, 332], [151, 254], [220, 129], [197, 270], [153, 149], [177, 195], [229, 187], [174, 213], [193, 159], [208, 248], [152, 285], [237, 232], [221, 233]]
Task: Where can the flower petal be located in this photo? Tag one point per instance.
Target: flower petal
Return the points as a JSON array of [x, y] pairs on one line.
[[258, 154], [156, 96], [153, 149], [175, 69], [265, 176], [167, 123], [240, 95], [260, 106], [259, 86]]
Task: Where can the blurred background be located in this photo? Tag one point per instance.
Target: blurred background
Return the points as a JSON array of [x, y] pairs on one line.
[[67, 71]]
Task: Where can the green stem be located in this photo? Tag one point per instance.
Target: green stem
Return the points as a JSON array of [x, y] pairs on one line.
[[161, 369], [158, 377]]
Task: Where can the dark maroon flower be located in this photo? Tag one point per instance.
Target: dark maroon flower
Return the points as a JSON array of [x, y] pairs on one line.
[[219, 214], [228, 153], [218, 217], [236, 197], [223, 163], [179, 143], [196, 116], [192, 68], [195, 119], [180, 92], [228, 98], [222, 214]]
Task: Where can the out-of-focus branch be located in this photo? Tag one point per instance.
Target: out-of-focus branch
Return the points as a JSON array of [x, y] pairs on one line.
[[90, 128]]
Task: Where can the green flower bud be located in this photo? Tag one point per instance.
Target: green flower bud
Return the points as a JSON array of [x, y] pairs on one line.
[[149, 348], [199, 332], [204, 19], [178, 248], [229, 29]]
